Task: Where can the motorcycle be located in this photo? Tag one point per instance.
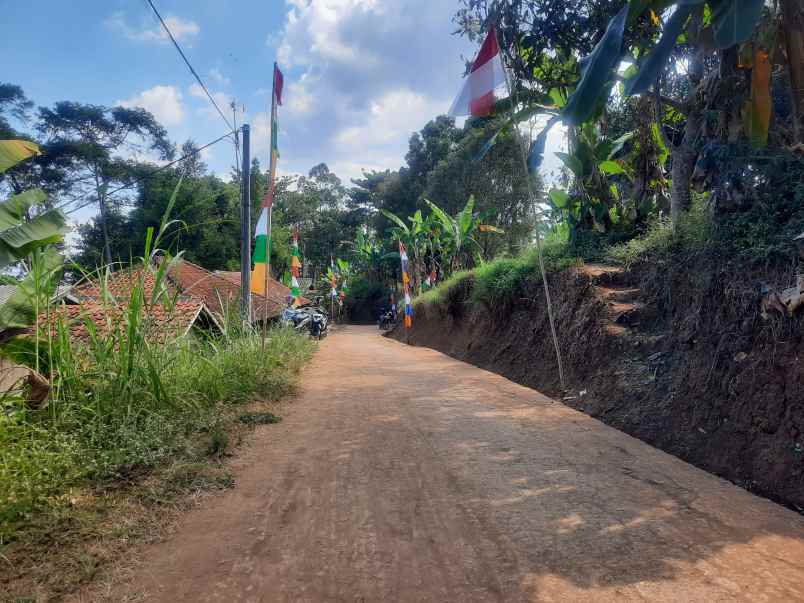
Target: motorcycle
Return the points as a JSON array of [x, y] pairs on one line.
[[386, 321], [310, 319]]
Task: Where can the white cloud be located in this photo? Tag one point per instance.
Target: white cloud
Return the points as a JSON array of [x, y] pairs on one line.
[[393, 117], [217, 76], [222, 99], [361, 76], [184, 30], [164, 102], [298, 96], [314, 30]]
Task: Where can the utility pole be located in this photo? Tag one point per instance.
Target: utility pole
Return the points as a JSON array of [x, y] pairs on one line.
[[245, 228]]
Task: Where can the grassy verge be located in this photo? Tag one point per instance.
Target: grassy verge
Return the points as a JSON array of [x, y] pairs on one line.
[[91, 467], [498, 282]]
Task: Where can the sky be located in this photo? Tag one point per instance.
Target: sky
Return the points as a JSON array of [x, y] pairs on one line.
[[360, 75]]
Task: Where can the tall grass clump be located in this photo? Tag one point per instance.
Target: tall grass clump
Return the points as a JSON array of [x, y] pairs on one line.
[[500, 281], [130, 393], [661, 241], [446, 293]]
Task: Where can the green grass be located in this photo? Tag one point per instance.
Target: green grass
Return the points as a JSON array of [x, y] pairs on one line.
[[109, 419], [125, 400], [661, 241], [440, 295], [500, 281]]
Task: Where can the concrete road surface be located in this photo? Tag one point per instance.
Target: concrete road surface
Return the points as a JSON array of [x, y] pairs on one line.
[[400, 474]]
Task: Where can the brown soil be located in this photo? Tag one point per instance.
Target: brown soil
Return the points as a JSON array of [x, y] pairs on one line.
[[400, 474], [676, 355]]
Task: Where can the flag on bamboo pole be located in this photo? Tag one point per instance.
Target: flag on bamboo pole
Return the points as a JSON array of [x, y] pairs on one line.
[[403, 255], [263, 244], [333, 277], [476, 96], [295, 268]]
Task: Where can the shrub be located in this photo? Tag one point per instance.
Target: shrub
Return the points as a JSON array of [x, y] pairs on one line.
[[96, 429], [660, 241]]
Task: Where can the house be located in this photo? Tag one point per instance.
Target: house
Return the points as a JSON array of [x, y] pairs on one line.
[[199, 299], [102, 303], [100, 319]]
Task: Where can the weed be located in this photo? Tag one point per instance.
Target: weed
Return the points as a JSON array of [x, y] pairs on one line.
[[259, 418], [218, 442], [661, 240]]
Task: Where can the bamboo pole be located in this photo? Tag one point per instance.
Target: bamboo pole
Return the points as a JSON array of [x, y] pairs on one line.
[[270, 208], [523, 152]]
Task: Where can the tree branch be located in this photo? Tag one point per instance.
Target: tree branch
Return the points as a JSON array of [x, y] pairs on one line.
[[677, 105]]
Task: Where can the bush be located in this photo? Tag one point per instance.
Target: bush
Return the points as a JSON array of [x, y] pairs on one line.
[[500, 281], [661, 241], [107, 417]]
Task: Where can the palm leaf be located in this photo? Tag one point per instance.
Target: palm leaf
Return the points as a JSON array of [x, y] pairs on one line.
[[14, 151], [395, 219], [19, 241], [12, 211]]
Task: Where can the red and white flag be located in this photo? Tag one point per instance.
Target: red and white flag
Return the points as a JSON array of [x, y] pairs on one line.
[[477, 94]]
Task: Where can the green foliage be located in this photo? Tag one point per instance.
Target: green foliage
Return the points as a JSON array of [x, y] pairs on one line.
[[447, 292], [597, 72], [734, 21], [127, 398], [652, 66], [499, 283], [108, 415], [365, 298], [21, 238], [661, 240]]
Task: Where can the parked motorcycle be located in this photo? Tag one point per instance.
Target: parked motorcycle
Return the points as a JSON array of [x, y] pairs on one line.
[[386, 321], [310, 319]]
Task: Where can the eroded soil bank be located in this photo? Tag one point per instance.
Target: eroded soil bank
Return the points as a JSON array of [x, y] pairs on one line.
[[677, 356]]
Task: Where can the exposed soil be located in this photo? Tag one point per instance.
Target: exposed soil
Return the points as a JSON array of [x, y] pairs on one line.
[[676, 355], [400, 474]]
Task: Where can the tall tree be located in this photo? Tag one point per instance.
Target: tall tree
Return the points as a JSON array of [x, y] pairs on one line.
[[97, 136]]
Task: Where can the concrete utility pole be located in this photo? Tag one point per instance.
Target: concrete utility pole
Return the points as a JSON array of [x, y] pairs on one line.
[[245, 228]]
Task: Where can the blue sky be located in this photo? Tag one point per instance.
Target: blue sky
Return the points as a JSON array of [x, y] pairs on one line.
[[360, 75]]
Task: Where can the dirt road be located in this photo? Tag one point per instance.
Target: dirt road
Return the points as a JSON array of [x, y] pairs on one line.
[[400, 474]]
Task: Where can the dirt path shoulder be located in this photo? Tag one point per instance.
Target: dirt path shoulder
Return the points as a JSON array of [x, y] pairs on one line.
[[400, 474]]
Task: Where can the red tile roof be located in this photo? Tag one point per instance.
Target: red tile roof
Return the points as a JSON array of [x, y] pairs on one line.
[[277, 292], [219, 290], [196, 291], [117, 284], [160, 322]]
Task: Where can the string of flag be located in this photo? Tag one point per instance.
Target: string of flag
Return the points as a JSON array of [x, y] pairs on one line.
[[295, 268], [403, 255], [333, 277], [261, 258]]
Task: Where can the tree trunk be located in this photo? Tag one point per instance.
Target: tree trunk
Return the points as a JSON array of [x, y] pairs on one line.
[[107, 251], [793, 24], [685, 154], [684, 158]]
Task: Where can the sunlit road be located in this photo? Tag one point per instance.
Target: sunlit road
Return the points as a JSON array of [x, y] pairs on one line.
[[400, 474]]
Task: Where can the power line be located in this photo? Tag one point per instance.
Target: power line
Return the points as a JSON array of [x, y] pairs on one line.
[[150, 175], [189, 66]]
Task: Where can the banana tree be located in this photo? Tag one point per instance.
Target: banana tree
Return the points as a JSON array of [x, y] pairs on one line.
[[21, 238], [458, 233], [368, 254], [417, 238], [30, 240]]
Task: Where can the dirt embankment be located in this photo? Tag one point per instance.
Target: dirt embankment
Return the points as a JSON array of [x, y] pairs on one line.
[[677, 356]]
